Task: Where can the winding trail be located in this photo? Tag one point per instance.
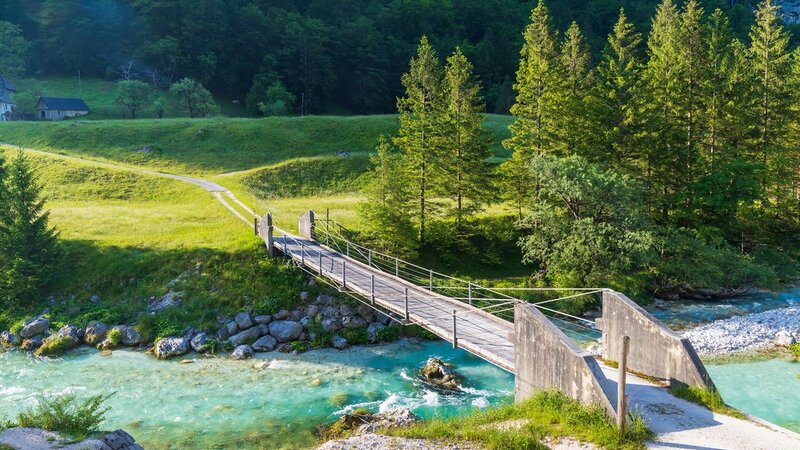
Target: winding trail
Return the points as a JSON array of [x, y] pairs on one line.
[[678, 424]]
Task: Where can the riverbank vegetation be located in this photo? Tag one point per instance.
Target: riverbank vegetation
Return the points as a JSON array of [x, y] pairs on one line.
[[65, 414], [546, 415], [709, 398]]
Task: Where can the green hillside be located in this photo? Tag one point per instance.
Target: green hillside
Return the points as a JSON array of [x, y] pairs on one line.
[[213, 146]]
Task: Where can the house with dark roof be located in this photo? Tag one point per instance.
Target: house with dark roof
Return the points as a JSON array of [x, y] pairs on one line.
[[55, 108], [6, 100]]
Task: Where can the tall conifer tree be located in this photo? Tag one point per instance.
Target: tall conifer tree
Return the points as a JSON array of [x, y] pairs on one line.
[[464, 142], [418, 123], [571, 122]]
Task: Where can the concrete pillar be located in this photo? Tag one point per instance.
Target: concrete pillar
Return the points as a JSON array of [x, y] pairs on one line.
[[307, 225], [265, 230]]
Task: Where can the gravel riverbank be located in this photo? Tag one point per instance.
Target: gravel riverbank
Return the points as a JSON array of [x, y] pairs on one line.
[[751, 332]]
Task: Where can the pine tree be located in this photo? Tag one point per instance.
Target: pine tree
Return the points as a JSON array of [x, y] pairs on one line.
[[614, 111], [538, 80], [715, 93], [464, 143], [772, 65], [418, 122], [572, 121], [31, 250], [386, 211]]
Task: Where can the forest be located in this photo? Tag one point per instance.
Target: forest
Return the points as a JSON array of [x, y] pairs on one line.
[[670, 165], [345, 59]]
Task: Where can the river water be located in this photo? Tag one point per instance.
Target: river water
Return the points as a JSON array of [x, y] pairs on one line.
[[277, 400]]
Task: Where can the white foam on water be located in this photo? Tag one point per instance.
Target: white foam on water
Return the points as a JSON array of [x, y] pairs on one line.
[[480, 402], [431, 398], [13, 390]]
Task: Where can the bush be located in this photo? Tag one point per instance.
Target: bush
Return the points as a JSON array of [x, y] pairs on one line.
[[795, 349], [355, 336], [66, 414], [114, 337], [55, 346], [388, 334], [321, 338], [299, 346]]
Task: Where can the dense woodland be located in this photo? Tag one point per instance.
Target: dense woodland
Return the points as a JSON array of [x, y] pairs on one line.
[[332, 57], [671, 162]]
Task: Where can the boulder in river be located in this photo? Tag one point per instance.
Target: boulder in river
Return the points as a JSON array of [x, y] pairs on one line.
[[245, 337], [119, 440], [95, 332], [171, 346], [32, 327], [265, 344], [130, 337], [439, 374], [200, 343], [9, 339], [285, 330], [242, 352]]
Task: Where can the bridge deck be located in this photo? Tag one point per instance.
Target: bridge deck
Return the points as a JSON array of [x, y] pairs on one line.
[[478, 332]]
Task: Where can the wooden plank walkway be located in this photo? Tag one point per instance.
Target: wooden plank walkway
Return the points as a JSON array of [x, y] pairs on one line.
[[476, 331]]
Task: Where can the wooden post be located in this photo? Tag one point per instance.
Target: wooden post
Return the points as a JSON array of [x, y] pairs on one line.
[[302, 254], [327, 225], [430, 280], [469, 293], [397, 267], [622, 402], [347, 252], [344, 275], [405, 302], [369, 258], [455, 338], [372, 288], [267, 234], [285, 252], [255, 225]]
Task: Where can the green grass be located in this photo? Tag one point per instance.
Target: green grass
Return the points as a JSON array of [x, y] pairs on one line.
[[524, 425], [127, 235], [710, 398], [213, 146], [65, 414]]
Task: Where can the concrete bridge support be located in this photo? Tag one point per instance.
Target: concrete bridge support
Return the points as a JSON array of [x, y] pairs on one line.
[[265, 231], [546, 359], [307, 225], [655, 350]]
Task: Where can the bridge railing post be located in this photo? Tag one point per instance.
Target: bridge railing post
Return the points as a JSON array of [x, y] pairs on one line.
[[320, 263], [372, 288], [405, 303], [344, 275], [369, 258], [302, 254], [255, 225], [455, 337], [430, 280], [622, 401], [469, 293], [397, 267]]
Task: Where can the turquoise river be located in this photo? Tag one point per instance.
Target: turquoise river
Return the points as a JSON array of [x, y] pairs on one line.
[[277, 400]]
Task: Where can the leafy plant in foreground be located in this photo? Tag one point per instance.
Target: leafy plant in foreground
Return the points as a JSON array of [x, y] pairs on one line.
[[66, 414]]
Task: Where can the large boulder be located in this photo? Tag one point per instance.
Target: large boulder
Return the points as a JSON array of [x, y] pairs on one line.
[[95, 332], [372, 331], [242, 352], [222, 333], [394, 418], [232, 327], [265, 344], [31, 344], [281, 315], [243, 321], [32, 327], [130, 337], [119, 440], [58, 343], [285, 330], [439, 374], [171, 346], [9, 339], [200, 342], [245, 337]]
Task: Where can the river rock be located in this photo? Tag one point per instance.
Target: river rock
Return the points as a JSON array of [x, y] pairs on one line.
[[200, 343], [437, 373], [95, 299], [119, 440], [750, 332], [346, 310], [31, 344], [353, 322], [243, 321], [95, 332], [245, 337], [331, 324], [323, 299], [32, 327], [263, 320], [265, 344], [171, 346], [394, 418], [130, 337], [312, 310], [9, 339], [242, 352], [383, 318], [222, 333], [372, 331], [784, 338], [305, 321], [232, 326], [281, 315], [303, 296], [170, 300], [339, 342], [285, 330], [329, 312]]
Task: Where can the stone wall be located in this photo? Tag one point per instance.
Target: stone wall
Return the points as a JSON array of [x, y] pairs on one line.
[[545, 358], [655, 350]]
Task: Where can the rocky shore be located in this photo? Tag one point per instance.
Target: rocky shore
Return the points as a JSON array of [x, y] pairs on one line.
[[38, 439], [752, 332]]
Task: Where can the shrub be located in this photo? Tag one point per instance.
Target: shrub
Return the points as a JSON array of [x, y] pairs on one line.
[[299, 346], [355, 336], [55, 346], [114, 337], [321, 338], [795, 349], [66, 414], [418, 331], [388, 334]]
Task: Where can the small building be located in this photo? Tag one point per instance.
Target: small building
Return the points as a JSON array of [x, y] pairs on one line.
[[54, 108], [6, 100]]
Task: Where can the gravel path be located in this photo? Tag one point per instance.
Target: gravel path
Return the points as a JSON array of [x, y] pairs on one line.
[[745, 333]]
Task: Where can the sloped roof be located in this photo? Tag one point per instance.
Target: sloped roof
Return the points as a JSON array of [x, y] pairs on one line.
[[64, 104]]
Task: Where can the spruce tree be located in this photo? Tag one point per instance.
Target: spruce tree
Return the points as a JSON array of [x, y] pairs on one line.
[[614, 110], [418, 123], [572, 121], [715, 94], [691, 45], [464, 142], [31, 247], [772, 66]]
